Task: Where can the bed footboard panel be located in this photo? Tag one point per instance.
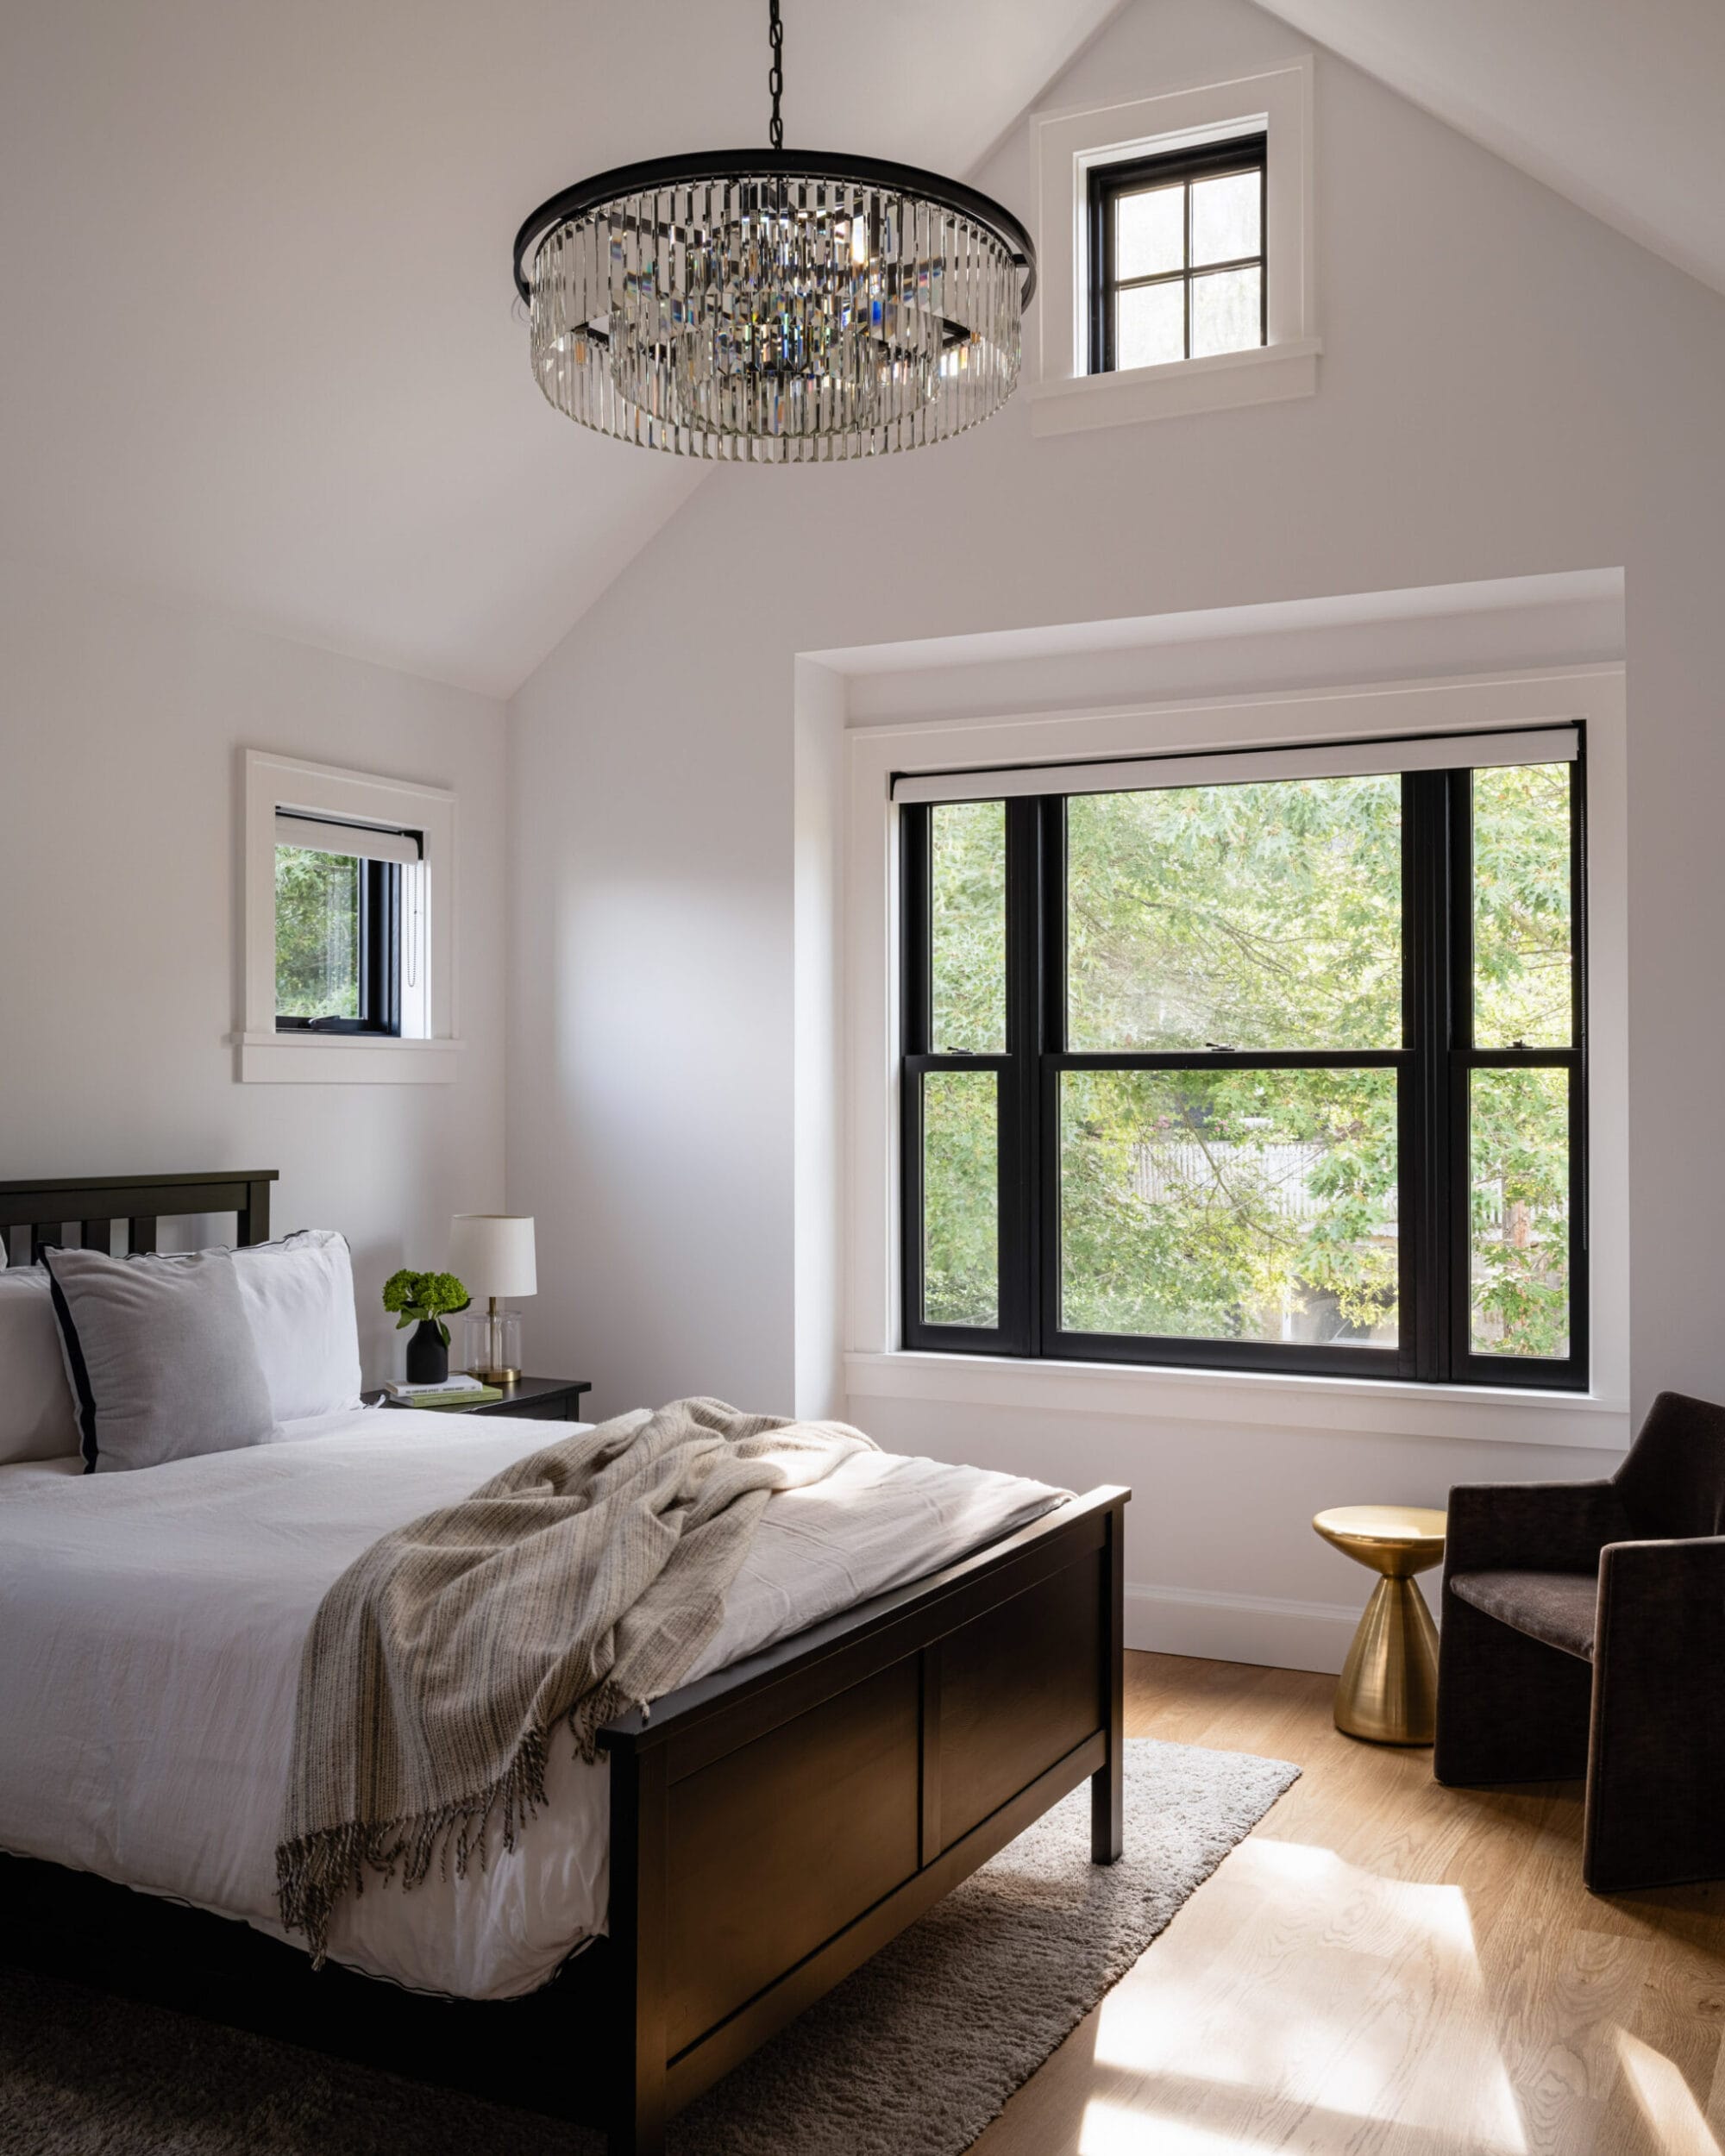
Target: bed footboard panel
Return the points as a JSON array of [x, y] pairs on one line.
[[820, 1802], [1016, 1690], [781, 1843]]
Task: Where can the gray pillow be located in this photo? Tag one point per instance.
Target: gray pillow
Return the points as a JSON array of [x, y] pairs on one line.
[[160, 1357]]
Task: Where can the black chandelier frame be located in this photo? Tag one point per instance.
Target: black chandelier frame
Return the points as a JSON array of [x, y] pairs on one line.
[[738, 167]]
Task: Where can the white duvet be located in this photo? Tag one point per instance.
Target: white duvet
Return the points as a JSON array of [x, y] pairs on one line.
[[151, 1626]]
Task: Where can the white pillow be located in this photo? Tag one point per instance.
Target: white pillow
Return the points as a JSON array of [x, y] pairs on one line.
[[298, 1297], [36, 1418]]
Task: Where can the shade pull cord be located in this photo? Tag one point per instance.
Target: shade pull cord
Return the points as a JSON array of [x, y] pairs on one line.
[[776, 73]]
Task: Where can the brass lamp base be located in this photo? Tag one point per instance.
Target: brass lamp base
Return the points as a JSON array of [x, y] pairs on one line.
[[496, 1377], [1388, 1690]]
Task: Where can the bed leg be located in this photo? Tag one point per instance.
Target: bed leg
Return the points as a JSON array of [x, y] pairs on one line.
[[637, 2137], [638, 1824], [1107, 1793]]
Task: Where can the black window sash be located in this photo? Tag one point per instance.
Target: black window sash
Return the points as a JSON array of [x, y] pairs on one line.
[[1465, 1364], [1107, 183], [379, 956], [1433, 1194], [1015, 1111]]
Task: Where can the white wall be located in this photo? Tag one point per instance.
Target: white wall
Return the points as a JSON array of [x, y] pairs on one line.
[[1507, 389], [121, 723]]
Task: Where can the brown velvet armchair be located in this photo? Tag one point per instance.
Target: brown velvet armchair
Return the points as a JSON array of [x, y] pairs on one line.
[[1584, 1633]]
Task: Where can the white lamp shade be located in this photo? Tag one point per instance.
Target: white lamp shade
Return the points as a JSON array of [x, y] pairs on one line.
[[492, 1254]]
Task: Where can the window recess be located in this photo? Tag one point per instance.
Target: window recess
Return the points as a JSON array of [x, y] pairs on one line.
[[1178, 265], [347, 913], [1267, 1061], [350, 917]]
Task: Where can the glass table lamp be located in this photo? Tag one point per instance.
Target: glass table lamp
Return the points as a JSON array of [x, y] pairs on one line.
[[492, 1255]]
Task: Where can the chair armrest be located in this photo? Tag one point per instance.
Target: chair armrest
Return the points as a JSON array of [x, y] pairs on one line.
[[1531, 1526], [1678, 1585]]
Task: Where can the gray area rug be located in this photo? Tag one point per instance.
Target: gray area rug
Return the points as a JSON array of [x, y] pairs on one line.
[[913, 2056]]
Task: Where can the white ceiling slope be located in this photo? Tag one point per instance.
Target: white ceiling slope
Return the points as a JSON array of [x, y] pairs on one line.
[[257, 332], [1616, 103]]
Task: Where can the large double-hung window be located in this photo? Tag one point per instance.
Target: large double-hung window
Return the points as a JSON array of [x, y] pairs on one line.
[[1272, 1060]]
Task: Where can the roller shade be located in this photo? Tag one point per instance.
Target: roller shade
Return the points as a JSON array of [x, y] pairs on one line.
[[366, 841], [1329, 760]]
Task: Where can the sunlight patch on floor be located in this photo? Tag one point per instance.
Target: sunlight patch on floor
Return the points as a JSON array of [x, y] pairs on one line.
[[1110, 2129], [1383, 2016], [1665, 2099]]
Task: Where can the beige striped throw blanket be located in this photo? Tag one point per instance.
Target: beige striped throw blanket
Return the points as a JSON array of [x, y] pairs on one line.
[[583, 1581]]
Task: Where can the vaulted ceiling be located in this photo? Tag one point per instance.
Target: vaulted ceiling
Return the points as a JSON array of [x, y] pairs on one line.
[[258, 340], [1616, 103], [257, 334]]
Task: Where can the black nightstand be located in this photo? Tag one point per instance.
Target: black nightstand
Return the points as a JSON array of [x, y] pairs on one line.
[[537, 1398]]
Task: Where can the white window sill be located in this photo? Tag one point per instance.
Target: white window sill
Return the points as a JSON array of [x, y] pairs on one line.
[[1370, 1406], [1263, 375], [343, 1059]]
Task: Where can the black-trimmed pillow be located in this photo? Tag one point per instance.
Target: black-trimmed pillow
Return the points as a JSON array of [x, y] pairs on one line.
[[159, 1355]]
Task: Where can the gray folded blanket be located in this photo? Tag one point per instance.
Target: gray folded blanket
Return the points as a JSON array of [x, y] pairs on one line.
[[582, 1582]]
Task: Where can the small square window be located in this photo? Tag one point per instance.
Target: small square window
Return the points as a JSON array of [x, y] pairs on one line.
[[349, 928], [1177, 264]]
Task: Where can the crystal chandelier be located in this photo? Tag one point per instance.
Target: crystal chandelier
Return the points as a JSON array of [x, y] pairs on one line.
[[777, 306]]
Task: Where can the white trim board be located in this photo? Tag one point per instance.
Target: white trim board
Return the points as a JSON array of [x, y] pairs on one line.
[[1262, 1629]]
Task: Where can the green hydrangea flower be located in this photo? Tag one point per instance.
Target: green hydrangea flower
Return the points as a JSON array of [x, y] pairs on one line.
[[418, 1298]]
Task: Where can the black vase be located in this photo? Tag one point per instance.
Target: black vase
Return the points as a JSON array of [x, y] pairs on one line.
[[427, 1358]]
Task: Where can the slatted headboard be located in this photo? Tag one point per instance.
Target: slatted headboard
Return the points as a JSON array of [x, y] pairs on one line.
[[41, 1211]]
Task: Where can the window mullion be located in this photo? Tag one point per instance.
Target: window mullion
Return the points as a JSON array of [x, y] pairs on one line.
[[915, 931], [1580, 1163], [388, 945], [1427, 1139], [915, 919], [1051, 1046], [1020, 1107], [366, 955], [1458, 1193], [1234, 1059]]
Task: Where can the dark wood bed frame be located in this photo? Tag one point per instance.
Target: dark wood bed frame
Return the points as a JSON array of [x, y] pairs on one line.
[[772, 1825]]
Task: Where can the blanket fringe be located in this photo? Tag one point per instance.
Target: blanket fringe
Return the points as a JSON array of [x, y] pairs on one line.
[[314, 1871]]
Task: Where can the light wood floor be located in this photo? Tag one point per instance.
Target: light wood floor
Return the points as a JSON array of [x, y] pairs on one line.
[[1384, 1965]]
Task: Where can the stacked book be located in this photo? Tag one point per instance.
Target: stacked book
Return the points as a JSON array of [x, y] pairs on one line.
[[459, 1391]]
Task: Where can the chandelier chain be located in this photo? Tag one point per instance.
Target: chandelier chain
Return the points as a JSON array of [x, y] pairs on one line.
[[776, 73]]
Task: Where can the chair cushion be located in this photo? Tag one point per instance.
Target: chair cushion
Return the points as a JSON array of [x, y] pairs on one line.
[[1557, 1607]]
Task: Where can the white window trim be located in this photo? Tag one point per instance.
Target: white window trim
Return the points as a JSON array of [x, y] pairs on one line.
[[1064, 397], [876, 1365], [428, 1053]]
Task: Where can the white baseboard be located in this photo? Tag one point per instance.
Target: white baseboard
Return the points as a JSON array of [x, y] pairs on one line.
[[1261, 1628]]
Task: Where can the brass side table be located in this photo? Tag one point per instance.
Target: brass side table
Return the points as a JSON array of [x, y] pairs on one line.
[[1388, 1691]]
